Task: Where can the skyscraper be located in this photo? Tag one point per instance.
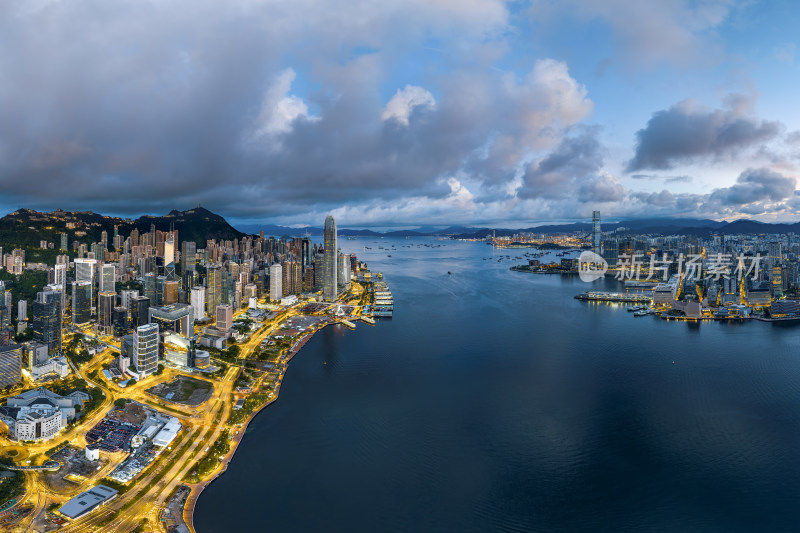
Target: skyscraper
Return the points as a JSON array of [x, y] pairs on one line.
[[108, 274], [169, 256], [329, 287], [47, 320], [596, 233], [188, 256], [10, 365], [213, 289], [81, 302], [84, 269], [275, 282], [198, 302], [106, 302], [145, 349]]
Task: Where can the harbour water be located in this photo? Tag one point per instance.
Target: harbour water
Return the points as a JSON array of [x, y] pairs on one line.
[[495, 401]]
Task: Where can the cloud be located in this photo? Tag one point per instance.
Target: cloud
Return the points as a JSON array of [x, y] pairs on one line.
[[279, 110], [577, 158], [687, 132], [755, 185], [646, 34], [667, 179], [404, 102]]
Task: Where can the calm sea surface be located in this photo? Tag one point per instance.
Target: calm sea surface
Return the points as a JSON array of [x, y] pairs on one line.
[[494, 401]]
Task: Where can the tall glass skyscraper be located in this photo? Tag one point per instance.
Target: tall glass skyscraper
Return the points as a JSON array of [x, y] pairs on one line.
[[47, 320], [596, 232], [329, 264]]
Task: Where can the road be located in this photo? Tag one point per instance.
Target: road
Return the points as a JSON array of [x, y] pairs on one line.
[[202, 427]]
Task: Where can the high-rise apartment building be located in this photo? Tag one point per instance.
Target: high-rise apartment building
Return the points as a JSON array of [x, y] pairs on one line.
[[275, 282]]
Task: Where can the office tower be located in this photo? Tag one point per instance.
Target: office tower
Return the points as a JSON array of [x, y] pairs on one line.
[[596, 233], [140, 311], [34, 354], [145, 350], [169, 256], [198, 302], [119, 321], [213, 289], [777, 281], [329, 286], [22, 311], [126, 298], [176, 317], [159, 291], [47, 320], [170, 292], [108, 276], [10, 365], [81, 302], [188, 256], [610, 253], [275, 282], [305, 252], [104, 239], [150, 286], [84, 269], [343, 274], [106, 302], [60, 274], [224, 320]]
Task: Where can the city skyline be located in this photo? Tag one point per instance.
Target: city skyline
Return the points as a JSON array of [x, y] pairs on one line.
[[430, 113]]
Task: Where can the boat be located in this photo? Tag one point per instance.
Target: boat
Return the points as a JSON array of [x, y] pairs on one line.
[[449, 273], [641, 312]]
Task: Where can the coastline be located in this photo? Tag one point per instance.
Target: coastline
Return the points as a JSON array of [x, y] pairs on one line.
[[197, 489]]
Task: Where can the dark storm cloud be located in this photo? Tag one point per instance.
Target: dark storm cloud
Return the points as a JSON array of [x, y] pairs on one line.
[[755, 185], [137, 107], [573, 165], [687, 132]]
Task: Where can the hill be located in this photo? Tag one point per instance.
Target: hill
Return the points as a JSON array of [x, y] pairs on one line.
[[25, 228]]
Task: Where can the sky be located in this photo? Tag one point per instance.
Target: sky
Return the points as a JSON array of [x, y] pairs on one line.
[[402, 112]]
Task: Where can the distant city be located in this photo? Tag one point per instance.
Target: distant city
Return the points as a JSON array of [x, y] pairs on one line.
[[686, 277]]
